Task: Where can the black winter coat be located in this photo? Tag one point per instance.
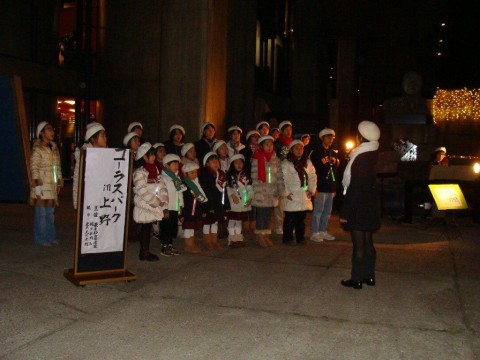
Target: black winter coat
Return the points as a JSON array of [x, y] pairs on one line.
[[360, 203], [202, 147]]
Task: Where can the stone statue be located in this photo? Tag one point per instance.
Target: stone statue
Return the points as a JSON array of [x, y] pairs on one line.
[[411, 102]]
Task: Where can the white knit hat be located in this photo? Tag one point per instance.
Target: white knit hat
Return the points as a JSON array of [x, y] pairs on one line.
[[170, 157], [133, 124], [186, 147], [217, 145], [369, 130], [207, 124], [284, 123], [236, 157], [441, 148], [40, 128], [190, 166], [92, 129], [293, 143], [266, 137], [157, 145], [305, 136], [274, 129], [252, 132], [326, 131], [143, 149], [208, 156], [259, 125], [233, 128], [129, 137], [176, 126]]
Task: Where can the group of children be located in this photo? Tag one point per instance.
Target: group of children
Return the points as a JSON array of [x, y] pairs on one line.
[[211, 182]]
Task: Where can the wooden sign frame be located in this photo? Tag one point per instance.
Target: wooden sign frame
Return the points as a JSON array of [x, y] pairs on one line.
[[99, 267]]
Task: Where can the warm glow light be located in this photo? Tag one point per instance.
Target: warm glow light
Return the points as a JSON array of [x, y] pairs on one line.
[[71, 110], [439, 54], [71, 102], [443, 24], [460, 105], [476, 168], [349, 145]]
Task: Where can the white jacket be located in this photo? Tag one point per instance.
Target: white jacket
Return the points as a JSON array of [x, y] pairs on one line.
[[242, 189], [76, 173], [147, 196], [293, 187], [175, 198], [232, 151]]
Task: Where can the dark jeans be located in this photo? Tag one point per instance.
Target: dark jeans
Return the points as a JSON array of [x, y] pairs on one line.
[[294, 220], [169, 228], [144, 236], [364, 256]]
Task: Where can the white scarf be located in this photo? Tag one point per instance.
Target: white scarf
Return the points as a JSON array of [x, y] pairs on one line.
[[360, 149]]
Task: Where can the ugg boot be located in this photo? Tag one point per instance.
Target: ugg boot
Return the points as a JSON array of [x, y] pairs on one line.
[[241, 240], [215, 243], [207, 241], [261, 241], [267, 240], [190, 246]]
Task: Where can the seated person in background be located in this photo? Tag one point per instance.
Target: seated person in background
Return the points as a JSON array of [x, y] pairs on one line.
[[439, 157]]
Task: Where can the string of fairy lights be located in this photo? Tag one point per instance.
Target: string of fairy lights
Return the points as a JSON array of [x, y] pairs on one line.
[[456, 105]]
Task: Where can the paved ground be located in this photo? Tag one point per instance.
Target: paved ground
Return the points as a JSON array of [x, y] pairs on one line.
[[251, 303]]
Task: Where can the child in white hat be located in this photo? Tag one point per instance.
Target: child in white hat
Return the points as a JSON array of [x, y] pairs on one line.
[[46, 175], [189, 154], [150, 197], [175, 140], [240, 194], [300, 184], [235, 145], [175, 188], [193, 202], [221, 149], [213, 182], [95, 136]]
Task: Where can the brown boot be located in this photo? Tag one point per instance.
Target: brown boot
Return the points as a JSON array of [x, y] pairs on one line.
[[207, 241], [267, 240], [261, 241], [190, 246], [215, 243]]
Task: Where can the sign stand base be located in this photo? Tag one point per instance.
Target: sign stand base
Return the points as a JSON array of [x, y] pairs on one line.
[[82, 280]]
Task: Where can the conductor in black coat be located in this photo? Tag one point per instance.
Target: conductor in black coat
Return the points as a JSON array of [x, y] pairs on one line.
[[360, 213]]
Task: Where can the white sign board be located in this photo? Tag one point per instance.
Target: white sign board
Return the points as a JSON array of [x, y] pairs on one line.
[[104, 200]]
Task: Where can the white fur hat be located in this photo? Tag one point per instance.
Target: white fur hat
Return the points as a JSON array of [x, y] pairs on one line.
[[369, 130], [186, 147], [40, 128], [176, 126], [190, 166], [207, 124], [441, 148], [157, 145], [259, 125], [233, 128], [143, 149], [326, 131], [133, 124], [293, 143], [284, 123], [129, 137], [274, 129], [208, 156], [236, 157], [217, 145], [252, 132], [170, 157], [266, 137], [92, 129]]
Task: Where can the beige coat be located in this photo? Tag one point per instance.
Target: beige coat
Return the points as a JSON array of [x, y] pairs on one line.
[[266, 195], [46, 171], [147, 198], [299, 199]]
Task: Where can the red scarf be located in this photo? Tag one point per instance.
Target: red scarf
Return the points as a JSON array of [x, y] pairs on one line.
[[261, 156], [152, 172], [159, 165], [285, 140]]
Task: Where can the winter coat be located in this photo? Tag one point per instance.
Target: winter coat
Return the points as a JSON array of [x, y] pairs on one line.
[[171, 148], [321, 160], [214, 204], [146, 204], [360, 204], [76, 173], [266, 195], [300, 201], [202, 147], [242, 188], [46, 170], [232, 151], [175, 198], [192, 221]]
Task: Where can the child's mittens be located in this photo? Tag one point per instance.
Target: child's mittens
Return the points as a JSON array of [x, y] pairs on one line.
[[38, 190]]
